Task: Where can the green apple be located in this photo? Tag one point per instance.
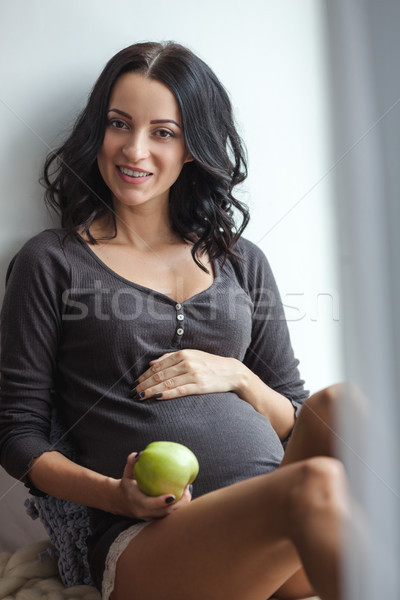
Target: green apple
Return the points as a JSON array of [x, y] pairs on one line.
[[165, 468]]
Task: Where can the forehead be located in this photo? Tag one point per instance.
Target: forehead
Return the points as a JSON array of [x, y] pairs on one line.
[[135, 93]]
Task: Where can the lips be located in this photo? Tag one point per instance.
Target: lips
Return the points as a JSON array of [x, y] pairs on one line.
[[135, 175], [134, 172]]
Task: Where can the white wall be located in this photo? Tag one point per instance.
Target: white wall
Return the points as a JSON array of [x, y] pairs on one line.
[[270, 56]]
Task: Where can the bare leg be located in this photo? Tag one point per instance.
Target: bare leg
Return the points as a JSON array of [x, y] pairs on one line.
[[244, 541], [295, 588], [314, 435]]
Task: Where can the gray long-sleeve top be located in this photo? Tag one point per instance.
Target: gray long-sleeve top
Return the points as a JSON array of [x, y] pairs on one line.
[[76, 335]]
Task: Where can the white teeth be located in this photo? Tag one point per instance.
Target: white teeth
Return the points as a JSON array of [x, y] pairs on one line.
[[132, 173]]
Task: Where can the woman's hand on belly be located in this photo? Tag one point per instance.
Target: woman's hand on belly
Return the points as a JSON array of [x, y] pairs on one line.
[[191, 372], [131, 502], [187, 373]]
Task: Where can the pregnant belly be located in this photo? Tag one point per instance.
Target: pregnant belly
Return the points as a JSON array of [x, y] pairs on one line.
[[230, 439]]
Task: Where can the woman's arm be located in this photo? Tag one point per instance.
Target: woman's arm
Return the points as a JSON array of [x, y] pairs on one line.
[[270, 355], [55, 474], [278, 409], [31, 326]]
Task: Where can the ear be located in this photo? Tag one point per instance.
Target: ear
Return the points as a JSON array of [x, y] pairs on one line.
[[188, 158]]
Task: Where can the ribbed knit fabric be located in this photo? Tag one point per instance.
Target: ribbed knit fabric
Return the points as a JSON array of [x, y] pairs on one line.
[[76, 335]]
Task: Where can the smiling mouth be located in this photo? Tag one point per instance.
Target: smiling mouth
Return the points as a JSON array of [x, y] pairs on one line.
[[133, 172]]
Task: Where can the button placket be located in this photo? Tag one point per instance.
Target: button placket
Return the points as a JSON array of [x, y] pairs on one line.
[[180, 317]]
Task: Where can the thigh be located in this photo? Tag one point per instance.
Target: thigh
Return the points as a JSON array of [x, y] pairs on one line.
[[315, 430], [313, 435], [232, 543]]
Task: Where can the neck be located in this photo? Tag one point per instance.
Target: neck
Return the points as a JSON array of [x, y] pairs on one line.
[[144, 226]]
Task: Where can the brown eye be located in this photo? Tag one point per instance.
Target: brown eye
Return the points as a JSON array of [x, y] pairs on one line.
[[117, 124], [165, 133]]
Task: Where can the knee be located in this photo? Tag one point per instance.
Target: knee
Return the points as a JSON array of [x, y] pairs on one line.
[[322, 408], [328, 399], [325, 401], [320, 488]]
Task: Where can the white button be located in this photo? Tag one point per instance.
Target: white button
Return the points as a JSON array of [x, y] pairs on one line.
[[178, 306], [179, 331], [180, 317]]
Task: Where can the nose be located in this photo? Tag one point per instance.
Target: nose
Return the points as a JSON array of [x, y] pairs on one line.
[[136, 147]]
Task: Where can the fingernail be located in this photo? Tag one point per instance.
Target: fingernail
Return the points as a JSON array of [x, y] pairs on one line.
[[133, 393], [169, 499], [140, 396], [135, 383], [191, 489], [159, 395]]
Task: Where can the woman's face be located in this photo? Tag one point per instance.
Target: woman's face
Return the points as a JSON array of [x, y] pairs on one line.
[[143, 150]]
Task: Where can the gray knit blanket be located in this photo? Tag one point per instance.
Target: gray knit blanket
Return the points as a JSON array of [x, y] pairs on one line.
[[66, 523]]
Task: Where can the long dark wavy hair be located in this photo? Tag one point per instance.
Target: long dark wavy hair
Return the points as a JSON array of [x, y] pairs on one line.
[[201, 204]]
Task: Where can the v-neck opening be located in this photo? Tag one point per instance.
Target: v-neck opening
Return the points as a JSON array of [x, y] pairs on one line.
[[213, 264]]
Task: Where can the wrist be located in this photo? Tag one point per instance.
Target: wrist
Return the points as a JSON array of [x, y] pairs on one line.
[[250, 388], [112, 495], [242, 379]]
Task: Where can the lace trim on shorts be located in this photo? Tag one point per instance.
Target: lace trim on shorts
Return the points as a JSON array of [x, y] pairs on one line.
[[115, 551]]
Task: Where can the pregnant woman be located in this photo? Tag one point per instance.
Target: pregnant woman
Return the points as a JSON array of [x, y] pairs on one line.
[[147, 316]]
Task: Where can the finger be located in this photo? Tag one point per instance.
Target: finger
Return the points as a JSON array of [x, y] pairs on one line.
[[153, 503], [186, 496], [129, 471], [151, 362], [166, 360], [162, 379], [185, 499], [175, 387], [161, 506], [157, 507], [161, 376]]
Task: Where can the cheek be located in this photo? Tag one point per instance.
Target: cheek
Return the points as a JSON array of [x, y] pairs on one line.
[[176, 161], [103, 159]]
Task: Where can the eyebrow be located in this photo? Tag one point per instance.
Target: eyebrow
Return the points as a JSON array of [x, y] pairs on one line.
[[153, 122]]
